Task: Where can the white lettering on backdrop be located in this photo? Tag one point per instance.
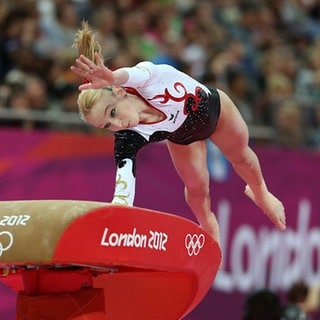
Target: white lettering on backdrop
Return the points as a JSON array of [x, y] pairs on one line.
[[268, 257]]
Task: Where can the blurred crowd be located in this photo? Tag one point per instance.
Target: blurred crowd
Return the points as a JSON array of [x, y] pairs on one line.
[[265, 54]]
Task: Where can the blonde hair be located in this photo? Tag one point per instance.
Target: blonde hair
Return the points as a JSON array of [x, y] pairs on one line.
[[87, 99], [87, 45]]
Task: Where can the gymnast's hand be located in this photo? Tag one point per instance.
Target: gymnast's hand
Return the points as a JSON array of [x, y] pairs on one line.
[[97, 75]]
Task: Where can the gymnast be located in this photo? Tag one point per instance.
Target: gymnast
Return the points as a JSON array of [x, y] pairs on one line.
[[149, 103]]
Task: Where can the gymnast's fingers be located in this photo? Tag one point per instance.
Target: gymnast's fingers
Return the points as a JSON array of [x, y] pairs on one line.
[[82, 73], [99, 60], [85, 86], [83, 60]]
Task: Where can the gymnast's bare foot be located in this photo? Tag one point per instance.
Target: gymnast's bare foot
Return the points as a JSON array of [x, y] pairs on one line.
[[271, 206]]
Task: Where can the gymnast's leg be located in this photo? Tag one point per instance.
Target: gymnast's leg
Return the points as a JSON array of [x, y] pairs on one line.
[[190, 162], [231, 137]]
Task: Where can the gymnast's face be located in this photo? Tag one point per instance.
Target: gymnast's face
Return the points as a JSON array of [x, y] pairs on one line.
[[114, 111]]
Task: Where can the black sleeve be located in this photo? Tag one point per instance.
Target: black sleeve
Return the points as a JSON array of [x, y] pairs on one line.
[[127, 144]]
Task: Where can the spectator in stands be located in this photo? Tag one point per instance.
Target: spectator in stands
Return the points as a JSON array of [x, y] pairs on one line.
[[5, 92], [105, 23], [288, 120], [263, 304], [296, 307], [17, 34], [314, 139], [239, 92]]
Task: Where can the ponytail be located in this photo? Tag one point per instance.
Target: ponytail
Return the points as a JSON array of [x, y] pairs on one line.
[[86, 42], [87, 45]]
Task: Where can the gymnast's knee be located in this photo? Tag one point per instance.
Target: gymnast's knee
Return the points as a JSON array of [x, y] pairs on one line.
[[199, 192]]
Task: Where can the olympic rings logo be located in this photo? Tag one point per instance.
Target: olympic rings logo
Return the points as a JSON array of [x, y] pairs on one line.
[[194, 243], [7, 238]]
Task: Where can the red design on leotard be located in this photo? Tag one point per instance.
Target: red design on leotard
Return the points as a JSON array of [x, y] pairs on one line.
[[191, 100]]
